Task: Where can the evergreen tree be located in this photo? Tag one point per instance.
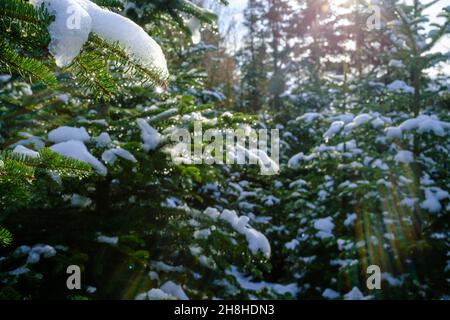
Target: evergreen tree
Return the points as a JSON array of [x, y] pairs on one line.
[[278, 25], [253, 57]]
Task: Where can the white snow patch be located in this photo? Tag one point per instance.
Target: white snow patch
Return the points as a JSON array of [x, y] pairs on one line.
[[102, 140], [393, 281], [5, 77], [330, 294], [149, 135], [356, 294], [335, 127], [425, 123], [433, 196], [400, 86], [25, 151], [256, 240], [291, 245], [19, 271], [325, 227], [110, 156], [202, 234], [194, 25], [76, 19], [376, 123], [213, 213], [361, 119], [393, 132], [34, 253], [79, 201], [174, 290], [108, 240], [77, 150], [91, 289], [350, 219], [65, 133], [247, 284], [396, 64], [404, 157], [309, 117]]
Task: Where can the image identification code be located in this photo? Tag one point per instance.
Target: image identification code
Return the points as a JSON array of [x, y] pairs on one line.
[[230, 309]]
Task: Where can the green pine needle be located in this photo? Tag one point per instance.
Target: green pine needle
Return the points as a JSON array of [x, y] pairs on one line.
[[11, 62], [5, 237]]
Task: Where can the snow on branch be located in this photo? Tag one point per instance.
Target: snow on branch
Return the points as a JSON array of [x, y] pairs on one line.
[[76, 19]]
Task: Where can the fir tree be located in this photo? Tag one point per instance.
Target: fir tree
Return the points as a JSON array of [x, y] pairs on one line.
[[253, 58]]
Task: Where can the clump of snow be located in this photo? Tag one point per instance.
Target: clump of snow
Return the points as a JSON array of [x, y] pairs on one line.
[[202, 234], [393, 281], [5, 77], [155, 294], [247, 284], [408, 202], [256, 240], [400, 86], [335, 127], [291, 245], [433, 196], [40, 250], [76, 19], [108, 240], [356, 294], [110, 156], [378, 163], [78, 201], [213, 213], [91, 289], [346, 118], [172, 202], [153, 275], [396, 64], [65, 133], [425, 123], [309, 117], [325, 227], [350, 220], [64, 98], [19, 271], [377, 122], [295, 160], [164, 267], [77, 150], [361, 119], [330, 294], [207, 262], [22, 250], [29, 140], [404, 157], [270, 200], [194, 26], [151, 138], [174, 290], [393, 132], [267, 165], [168, 291], [102, 140], [298, 183], [389, 236], [34, 253], [25, 151]]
